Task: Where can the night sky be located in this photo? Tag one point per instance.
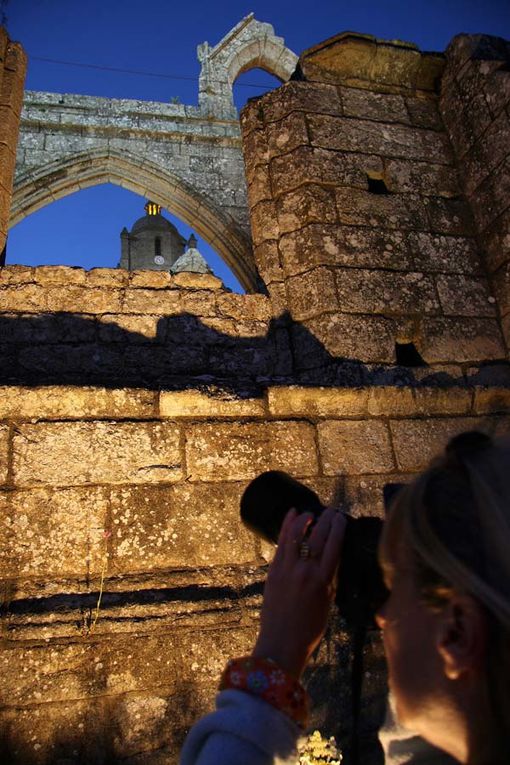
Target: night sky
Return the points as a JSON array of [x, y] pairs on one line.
[[160, 38]]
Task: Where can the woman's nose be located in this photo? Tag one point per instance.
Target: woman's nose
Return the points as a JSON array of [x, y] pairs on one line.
[[380, 617]]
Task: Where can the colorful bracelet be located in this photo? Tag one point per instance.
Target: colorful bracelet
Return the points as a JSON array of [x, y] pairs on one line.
[[265, 679]]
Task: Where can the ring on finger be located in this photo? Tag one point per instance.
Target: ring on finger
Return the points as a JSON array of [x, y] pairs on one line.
[[305, 551]]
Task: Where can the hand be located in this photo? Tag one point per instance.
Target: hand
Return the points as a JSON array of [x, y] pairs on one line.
[[299, 592]]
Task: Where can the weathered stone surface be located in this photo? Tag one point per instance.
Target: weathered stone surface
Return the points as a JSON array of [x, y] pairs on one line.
[[449, 216], [4, 452], [461, 340], [317, 402], [244, 307], [127, 328], [489, 400], [368, 105], [264, 224], [363, 290], [316, 165], [385, 401], [495, 242], [424, 178], [64, 275], [431, 252], [107, 277], [395, 211], [267, 258], [240, 451], [194, 404], [433, 401], [308, 204], [50, 533], [96, 452], [145, 301], [312, 293], [465, 296], [286, 134], [329, 244], [300, 96], [66, 402], [424, 112], [16, 275], [184, 526], [354, 447], [196, 281], [151, 279], [417, 441], [366, 338]]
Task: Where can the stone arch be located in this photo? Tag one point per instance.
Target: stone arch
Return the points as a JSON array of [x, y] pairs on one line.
[[249, 45], [57, 179]]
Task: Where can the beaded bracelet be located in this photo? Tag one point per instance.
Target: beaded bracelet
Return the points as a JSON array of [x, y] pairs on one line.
[[265, 679]]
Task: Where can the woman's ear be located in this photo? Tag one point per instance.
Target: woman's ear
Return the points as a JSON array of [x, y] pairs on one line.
[[461, 636]]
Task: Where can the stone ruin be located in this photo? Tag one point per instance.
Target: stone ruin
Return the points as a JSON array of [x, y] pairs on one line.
[[135, 406]]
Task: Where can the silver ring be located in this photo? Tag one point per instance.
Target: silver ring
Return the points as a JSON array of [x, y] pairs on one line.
[[305, 551]]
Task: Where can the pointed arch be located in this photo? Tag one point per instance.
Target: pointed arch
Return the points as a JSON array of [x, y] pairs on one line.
[[59, 178]]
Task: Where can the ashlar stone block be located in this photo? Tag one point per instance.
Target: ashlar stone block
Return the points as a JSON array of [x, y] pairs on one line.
[[386, 292], [355, 447], [63, 454], [465, 296], [417, 441], [4, 452], [308, 204], [239, 451]]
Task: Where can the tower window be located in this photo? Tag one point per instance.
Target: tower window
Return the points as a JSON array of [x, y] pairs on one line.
[[157, 246]]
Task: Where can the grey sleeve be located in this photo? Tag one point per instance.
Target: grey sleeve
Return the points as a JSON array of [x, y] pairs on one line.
[[243, 729]]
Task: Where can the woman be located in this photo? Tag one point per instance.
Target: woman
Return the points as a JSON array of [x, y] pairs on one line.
[[446, 556]]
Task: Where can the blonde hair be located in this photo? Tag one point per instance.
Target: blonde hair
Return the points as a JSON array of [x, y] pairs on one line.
[[455, 518]]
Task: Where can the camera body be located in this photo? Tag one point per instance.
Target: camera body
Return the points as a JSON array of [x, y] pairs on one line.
[[360, 590]]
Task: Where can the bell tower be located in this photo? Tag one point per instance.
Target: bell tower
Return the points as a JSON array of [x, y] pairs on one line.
[[153, 242]]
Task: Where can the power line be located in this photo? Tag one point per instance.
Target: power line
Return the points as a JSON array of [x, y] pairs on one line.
[[132, 71]]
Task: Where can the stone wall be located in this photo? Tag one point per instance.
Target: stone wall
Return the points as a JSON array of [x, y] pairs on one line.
[[475, 103], [12, 77], [358, 219]]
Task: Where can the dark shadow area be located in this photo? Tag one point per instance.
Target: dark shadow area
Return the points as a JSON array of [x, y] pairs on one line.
[[65, 349]]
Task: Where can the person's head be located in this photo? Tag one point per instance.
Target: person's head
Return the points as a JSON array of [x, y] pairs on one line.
[[445, 552]]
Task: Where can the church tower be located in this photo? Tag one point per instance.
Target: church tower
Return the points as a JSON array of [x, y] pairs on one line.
[[153, 242]]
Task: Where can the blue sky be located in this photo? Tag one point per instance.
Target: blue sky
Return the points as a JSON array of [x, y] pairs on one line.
[[161, 38]]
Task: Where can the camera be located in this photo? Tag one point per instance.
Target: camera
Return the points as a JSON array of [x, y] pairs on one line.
[[360, 590]]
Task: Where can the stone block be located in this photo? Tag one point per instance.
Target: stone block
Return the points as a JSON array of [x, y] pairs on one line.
[[387, 401], [422, 178], [308, 204], [300, 96], [54, 534], [386, 292], [251, 117], [354, 447], [294, 401], [312, 293], [495, 242], [491, 400], [287, 134], [199, 302], [368, 105], [416, 442], [195, 404], [437, 401], [328, 244], [500, 282], [365, 136], [449, 216], [239, 451], [107, 277], [16, 275], [23, 298], [260, 185], [63, 453], [391, 211], [267, 258], [255, 150], [315, 165], [487, 153], [77, 299], [190, 280], [189, 525], [245, 307], [424, 112], [4, 452], [465, 296], [62, 275], [150, 279], [264, 224], [75, 402], [448, 254], [344, 336], [490, 199], [127, 328], [460, 340], [145, 301]]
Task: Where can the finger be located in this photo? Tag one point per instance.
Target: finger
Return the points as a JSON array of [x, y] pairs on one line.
[[283, 537], [333, 547], [320, 532], [297, 533]]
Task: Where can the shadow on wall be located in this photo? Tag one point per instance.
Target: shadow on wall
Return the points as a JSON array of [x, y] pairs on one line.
[[132, 730], [65, 349]]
